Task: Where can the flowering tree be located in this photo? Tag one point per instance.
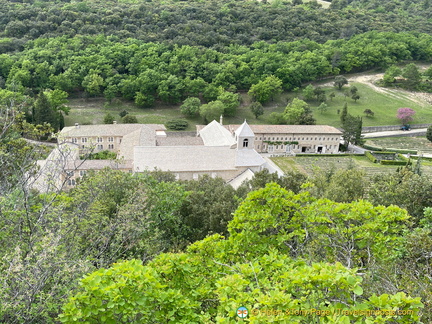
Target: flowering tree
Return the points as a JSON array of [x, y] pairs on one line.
[[405, 115]]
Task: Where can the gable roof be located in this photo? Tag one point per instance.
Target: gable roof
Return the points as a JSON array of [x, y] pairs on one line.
[[290, 129], [108, 129], [214, 134], [244, 130]]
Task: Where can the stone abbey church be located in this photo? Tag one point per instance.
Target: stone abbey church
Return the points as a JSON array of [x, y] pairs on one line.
[[232, 152]]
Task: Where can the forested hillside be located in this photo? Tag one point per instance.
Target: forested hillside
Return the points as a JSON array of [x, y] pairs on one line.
[[207, 23], [145, 248]]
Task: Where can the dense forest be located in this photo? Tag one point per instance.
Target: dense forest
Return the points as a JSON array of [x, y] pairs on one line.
[[145, 248]]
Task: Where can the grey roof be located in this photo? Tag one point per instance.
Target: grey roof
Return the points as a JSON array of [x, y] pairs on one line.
[[179, 141], [214, 134], [248, 158], [184, 158], [107, 130], [289, 129], [244, 130], [242, 177], [98, 164]]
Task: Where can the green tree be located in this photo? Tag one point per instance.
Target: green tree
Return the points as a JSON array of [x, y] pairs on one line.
[[332, 95], [190, 106], [429, 133], [93, 83], [129, 119], [108, 119], [355, 97], [294, 111], [344, 113], [43, 112], [412, 75], [390, 74], [231, 102], [368, 112], [352, 128], [257, 109], [212, 111], [308, 92], [267, 89], [269, 227], [322, 107], [340, 81]]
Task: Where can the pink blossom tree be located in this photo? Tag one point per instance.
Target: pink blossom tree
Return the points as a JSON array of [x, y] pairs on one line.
[[405, 115]]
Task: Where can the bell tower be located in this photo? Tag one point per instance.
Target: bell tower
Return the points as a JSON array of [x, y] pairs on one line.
[[245, 137]]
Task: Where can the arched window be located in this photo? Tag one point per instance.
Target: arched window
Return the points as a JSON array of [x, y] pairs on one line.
[[245, 142]]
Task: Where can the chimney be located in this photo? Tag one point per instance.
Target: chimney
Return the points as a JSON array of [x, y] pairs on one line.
[[221, 120], [114, 121]]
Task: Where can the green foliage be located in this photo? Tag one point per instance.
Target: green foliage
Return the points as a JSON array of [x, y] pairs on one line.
[[103, 155], [368, 112], [391, 73], [44, 113], [257, 109], [322, 107], [190, 106], [123, 113], [429, 133], [212, 111], [412, 75], [231, 102], [295, 110], [372, 158], [308, 92], [340, 81], [251, 266], [177, 124], [277, 118], [267, 89], [108, 119], [129, 119]]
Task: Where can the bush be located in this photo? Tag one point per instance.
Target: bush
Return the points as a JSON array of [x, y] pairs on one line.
[[129, 119], [371, 157], [392, 162], [177, 124]]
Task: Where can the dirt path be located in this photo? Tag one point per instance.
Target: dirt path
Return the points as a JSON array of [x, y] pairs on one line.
[[421, 98]]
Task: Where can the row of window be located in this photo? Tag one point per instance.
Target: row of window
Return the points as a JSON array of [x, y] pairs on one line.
[[84, 139], [271, 147], [101, 147], [298, 138]]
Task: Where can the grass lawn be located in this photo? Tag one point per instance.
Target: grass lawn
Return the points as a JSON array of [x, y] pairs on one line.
[[384, 105], [412, 143]]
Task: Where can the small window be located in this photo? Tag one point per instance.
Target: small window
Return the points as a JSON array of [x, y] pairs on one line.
[[83, 173], [110, 146], [84, 140], [245, 142], [100, 147], [110, 139], [100, 139], [177, 176], [258, 147], [195, 176], [75, 140], [214, 175]]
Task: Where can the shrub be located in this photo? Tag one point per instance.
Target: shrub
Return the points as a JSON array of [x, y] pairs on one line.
[[177, 124], [371, 157]]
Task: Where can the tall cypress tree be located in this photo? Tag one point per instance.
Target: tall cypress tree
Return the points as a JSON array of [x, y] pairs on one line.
[[44, 113]]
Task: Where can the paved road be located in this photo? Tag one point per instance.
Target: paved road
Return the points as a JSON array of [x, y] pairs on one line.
[[412, 132]]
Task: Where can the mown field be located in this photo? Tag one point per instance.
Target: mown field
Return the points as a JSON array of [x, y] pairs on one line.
[[383, 104]]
